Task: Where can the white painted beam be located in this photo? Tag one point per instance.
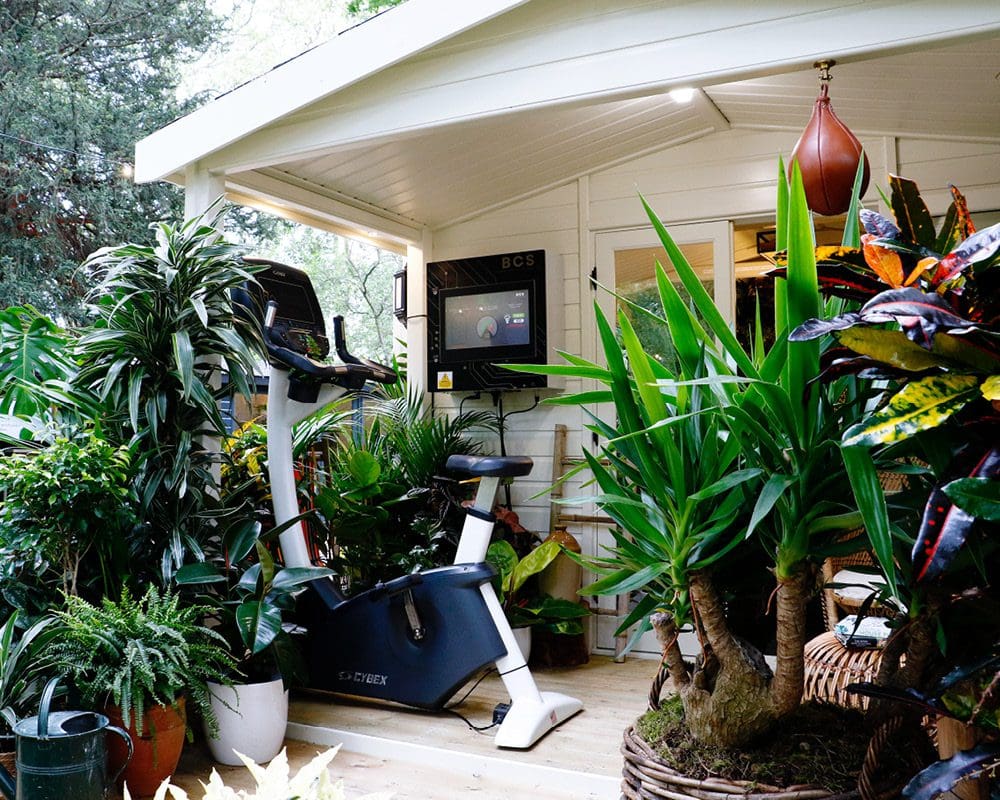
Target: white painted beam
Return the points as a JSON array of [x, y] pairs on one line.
[[297, 197], [677, 44], [341, 62], [417, 257], [201, 190]]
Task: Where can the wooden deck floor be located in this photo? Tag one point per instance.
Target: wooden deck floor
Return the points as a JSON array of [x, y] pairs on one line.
[[438, 757]]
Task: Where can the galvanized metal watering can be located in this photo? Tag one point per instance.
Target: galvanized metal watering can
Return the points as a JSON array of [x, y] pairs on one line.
[[61, 755]]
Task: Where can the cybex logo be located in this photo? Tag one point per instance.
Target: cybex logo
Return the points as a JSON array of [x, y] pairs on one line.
[[517, 261], [363, 677]]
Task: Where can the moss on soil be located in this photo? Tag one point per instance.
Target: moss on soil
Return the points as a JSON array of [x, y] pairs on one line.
[[818, 745]]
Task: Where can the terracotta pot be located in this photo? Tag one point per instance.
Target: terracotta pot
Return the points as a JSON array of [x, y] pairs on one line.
[[157, 751]]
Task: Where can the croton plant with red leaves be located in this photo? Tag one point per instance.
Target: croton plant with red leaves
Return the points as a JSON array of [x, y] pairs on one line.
[[925, 318], [930, 324]]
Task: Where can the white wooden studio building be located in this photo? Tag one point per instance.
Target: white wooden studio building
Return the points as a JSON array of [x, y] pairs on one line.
[[450, 130]]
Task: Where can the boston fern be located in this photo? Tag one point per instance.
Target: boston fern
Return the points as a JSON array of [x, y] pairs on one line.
[[137, 653]]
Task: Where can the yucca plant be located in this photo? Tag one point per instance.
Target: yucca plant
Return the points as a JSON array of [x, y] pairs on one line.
[[690, 449], [135, 653], [165, 328]]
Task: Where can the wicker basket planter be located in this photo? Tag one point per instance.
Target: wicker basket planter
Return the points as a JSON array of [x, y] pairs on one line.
[[646, 777]]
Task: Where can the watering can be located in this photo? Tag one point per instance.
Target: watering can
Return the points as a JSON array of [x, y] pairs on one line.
[[61, 755]]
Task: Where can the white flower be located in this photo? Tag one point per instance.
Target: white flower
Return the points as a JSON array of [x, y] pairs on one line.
[[312, 782]]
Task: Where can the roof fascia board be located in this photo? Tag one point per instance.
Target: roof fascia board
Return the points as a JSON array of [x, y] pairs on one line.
[[346, 59], [772, 40]]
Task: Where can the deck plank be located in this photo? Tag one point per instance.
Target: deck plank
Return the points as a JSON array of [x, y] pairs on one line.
[[613, 695]]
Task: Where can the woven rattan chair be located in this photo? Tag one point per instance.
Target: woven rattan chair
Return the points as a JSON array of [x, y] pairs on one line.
[[829, 665]]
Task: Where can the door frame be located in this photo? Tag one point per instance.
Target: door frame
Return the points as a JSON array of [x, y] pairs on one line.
[[720, 233]]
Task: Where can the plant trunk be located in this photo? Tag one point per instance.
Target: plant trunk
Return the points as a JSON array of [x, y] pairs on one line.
[[728, 701], [789, 676], [666, 634]]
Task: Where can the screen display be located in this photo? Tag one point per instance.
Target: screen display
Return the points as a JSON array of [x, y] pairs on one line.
[[487, 319], [295, 303]]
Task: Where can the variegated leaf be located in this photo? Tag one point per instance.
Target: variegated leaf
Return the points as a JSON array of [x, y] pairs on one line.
[[841, 272], [978, 247], [968, 349], [920, 405], [957, 224], [991, 387], [884, 262], [889, 347], [920, 314], [878, 225], [914, 220], [814, 328], [945, 526]]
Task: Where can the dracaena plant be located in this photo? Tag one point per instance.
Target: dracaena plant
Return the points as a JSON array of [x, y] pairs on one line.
[[689, 450], [929, 326], [164, 329]]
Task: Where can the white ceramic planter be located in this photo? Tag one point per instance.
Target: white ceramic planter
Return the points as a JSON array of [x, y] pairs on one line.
[[523, 638], [254, 724]]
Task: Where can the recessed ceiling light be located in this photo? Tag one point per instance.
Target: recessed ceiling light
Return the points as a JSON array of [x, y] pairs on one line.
[[683, 94]]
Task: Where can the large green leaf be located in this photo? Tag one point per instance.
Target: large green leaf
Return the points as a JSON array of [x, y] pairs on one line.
[[771, 492], [870, 497], [852, 229], [978, 496], [534, 562], [919, 406], [258, 623], [700, 297], [802, 301], [503, 557]]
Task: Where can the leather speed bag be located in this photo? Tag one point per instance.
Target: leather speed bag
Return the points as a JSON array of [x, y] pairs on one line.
[[828, 155]]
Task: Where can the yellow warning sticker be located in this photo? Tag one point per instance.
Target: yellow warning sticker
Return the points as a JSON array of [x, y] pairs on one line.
[[446, 380]]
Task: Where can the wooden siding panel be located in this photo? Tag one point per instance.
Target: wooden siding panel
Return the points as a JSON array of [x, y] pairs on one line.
[[973, 168]]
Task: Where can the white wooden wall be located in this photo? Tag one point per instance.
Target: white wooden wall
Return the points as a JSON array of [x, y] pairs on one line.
[[728, 175]]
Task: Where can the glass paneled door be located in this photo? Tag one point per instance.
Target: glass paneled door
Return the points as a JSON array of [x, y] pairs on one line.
[[626, 263]]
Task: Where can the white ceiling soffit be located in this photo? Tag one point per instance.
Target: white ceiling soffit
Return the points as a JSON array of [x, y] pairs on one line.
[[448, 174], [551, 89], [445, 175], [950, 92]]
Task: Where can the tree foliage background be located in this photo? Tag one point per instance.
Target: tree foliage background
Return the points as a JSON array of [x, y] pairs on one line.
[[80, 82], [351, 278]]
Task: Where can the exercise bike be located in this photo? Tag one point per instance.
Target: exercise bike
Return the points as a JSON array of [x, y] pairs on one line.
[[418, 639]]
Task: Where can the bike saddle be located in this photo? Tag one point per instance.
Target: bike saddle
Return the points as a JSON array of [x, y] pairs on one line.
[[490, 466]]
